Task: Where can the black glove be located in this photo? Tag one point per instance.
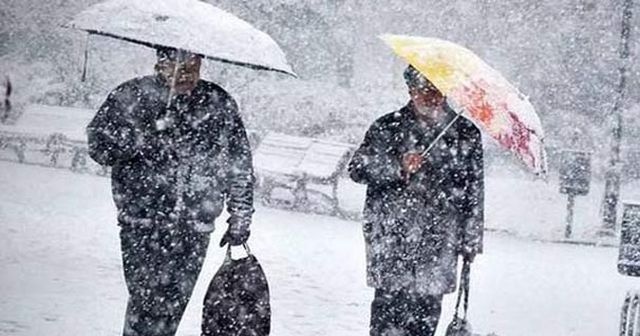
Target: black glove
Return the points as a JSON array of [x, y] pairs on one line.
[[468, 254], [237, 233], [469, 257]]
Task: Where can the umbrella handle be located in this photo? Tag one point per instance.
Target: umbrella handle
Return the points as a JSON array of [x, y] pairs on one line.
[[174, 81], [434, 142], [246, 248]]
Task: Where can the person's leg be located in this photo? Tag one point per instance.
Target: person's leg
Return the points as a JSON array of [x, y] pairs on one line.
[[183, 269], [138, 263], [161, 268], [386, 308], [423, 316]]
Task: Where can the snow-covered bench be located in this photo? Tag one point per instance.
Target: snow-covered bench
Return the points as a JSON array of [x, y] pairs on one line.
[[295, 164], [51, 136]]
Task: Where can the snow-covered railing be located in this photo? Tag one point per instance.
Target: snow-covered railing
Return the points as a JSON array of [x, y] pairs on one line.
[[50, 136], [55, 150]]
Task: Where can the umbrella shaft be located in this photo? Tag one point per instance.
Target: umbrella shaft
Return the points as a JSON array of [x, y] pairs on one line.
[[174, 81], [433, 144]]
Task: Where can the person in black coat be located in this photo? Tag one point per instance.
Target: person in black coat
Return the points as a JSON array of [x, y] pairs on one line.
[[421, 212], [178, 151]]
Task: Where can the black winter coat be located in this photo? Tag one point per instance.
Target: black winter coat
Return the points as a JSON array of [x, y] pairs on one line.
[[414, 230], [176, 164]]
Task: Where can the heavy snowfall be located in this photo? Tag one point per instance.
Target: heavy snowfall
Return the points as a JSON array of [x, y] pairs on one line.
[[355, 155]]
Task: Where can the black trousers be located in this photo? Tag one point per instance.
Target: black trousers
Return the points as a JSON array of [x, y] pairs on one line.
[[402, 313], [161, 266]]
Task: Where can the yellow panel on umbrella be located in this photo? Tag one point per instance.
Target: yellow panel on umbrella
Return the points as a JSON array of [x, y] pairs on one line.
[[478, 92], [441, 61]]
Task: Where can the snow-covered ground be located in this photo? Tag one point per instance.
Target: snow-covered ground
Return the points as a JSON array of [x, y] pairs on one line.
[[61, 272]]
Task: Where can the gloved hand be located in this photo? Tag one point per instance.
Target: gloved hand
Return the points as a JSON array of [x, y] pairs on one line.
[[468, 254], [468, 257], [237, 233]]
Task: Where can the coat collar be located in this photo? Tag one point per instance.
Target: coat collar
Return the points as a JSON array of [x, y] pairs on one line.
[[408, 114]]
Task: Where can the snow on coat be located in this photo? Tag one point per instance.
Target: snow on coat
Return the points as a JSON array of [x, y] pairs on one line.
[[414, 230], [176, 164]]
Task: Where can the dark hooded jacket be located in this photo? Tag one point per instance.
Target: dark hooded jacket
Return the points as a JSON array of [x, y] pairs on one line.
[[415, 229], [174, 164]]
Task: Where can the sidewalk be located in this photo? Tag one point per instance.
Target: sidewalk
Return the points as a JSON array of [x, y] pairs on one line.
[[62, 275]]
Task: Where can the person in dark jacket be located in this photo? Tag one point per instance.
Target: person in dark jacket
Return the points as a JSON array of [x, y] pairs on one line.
[[421, 212], [178, 150]]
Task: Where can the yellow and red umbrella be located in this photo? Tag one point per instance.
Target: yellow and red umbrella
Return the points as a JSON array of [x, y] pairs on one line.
[[479, 93]]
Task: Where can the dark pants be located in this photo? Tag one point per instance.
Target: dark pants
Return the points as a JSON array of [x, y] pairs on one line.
[[398, 313], [161, 267]]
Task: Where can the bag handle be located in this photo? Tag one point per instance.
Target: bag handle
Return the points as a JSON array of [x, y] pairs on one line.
[[463, 289], [246, 248]]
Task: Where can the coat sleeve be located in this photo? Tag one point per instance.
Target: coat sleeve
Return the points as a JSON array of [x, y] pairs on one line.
[[474, 195], [241, 179], [374, 162], [111, 137]]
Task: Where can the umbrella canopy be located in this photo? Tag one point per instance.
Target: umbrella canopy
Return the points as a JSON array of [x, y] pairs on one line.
[[479, 93], [190, 25]]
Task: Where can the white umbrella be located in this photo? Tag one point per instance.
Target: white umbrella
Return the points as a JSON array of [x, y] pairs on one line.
[[191, 25]]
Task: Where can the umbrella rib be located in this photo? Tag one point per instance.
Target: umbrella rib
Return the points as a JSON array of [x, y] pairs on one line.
[[219, 59]]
